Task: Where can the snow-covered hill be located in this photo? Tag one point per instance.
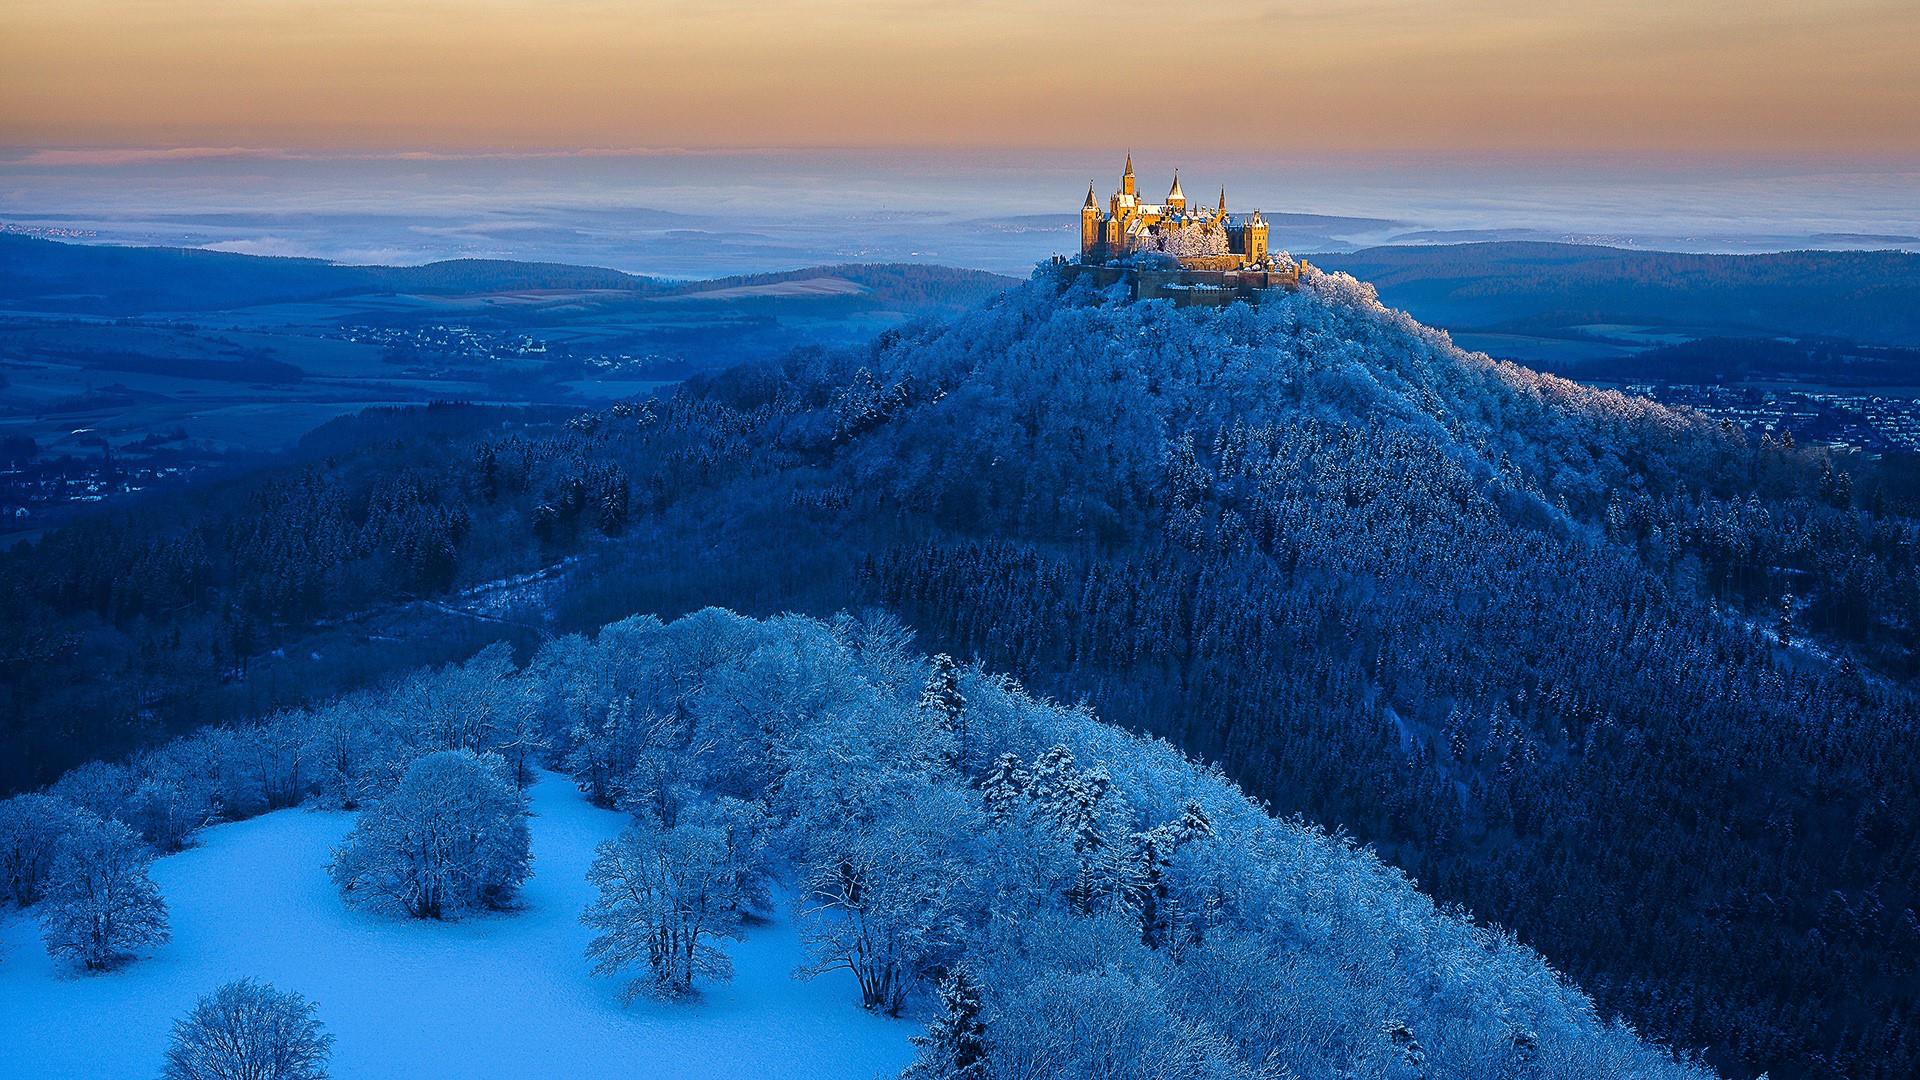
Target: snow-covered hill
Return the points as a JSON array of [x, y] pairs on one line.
[[506, 995]]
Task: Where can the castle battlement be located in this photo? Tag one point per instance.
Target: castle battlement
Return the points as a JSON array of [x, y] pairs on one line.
[[1172, 250]]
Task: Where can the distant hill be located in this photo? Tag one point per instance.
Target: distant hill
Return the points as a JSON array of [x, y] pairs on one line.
[[45, 275], [109, 280], [1870, 296], [50, 276], [911, 284], [1509, 287]]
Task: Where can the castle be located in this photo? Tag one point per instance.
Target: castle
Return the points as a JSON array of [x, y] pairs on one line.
[[1170, 249]]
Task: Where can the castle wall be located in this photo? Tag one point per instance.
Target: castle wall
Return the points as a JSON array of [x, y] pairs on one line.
[[1186, 287], [1212, 262]]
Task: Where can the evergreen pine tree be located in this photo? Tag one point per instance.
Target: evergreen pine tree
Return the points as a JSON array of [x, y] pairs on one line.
[[1003, 786], [943, 704], [1148, 888], [954, 1047]]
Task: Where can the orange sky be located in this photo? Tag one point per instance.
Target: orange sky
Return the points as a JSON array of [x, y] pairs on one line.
[[1835, 77]]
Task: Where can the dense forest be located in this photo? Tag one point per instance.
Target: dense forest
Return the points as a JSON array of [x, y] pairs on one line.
[[1607, 674]]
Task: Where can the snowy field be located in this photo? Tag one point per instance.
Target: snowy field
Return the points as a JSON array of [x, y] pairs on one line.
[[493, 996]]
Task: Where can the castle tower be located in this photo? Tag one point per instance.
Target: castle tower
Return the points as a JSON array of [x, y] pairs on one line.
[[1256, 238], [1089, 223], [1223, 202], [1176, 199], [1126, 178]]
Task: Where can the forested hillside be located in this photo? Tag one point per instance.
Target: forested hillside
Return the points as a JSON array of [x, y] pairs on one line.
[[1605, 673]]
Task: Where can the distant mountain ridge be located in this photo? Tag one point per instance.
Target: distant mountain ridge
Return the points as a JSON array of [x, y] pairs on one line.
[[1867, 296], [45, 275], [1501, 286]]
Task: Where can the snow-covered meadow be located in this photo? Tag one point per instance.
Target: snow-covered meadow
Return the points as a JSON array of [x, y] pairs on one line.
[[496, 995]]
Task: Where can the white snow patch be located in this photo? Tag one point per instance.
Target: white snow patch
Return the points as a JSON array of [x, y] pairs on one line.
[[497, 996]]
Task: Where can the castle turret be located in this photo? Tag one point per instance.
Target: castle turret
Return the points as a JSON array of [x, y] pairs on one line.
[[1126, 178], [1089, 223], [1223, 202], [1176, 199], [1256, 238]]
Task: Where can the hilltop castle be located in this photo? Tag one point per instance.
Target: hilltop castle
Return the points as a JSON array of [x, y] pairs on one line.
[[1170, 249]]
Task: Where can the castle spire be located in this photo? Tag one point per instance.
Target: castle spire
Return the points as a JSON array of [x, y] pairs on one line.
[[1175, 196], [1128, 171], [1090, 204], [1223, 199]]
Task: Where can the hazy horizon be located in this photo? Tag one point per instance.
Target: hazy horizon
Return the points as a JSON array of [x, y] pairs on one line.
[[711, 213]]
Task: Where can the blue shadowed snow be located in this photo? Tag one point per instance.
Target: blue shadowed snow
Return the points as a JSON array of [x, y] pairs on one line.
[[492, 996]]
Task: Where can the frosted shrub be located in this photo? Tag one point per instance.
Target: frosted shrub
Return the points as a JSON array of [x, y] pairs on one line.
[[247, 1030], [452, 837]]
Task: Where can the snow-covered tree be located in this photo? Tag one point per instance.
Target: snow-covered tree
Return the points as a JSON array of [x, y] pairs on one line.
[[450, 838], [666, 894], [465, 706], [1004, 786], [745, 830], [352, 741], [616, 753], [1196, 239], [1103, 1022], [247, 1030], [878, 905], [520, 735], [954, 1046], [31, 827], [1405, 1045], [166, 812], [1068, 802], [211, 774], [101, 787], [98, 904], [1147, 891], [279, 756], [946, 710]]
